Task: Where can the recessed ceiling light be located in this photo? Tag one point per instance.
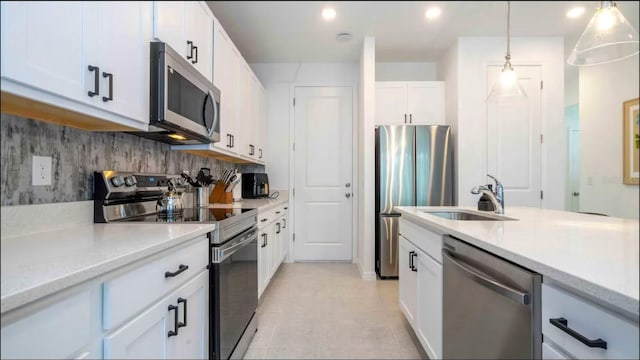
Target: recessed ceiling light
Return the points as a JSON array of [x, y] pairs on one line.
[[343, 37], [433, 13], [328, 14], [576, 12]]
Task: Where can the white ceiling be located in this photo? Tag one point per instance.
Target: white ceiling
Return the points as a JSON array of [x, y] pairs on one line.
[[292, 31]]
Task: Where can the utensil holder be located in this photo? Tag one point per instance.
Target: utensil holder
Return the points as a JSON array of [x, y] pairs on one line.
[[201, 195], [218, 195]]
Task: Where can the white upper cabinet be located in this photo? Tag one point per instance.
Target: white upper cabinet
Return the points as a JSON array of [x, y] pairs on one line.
[[391, 103], [118, 44], [225, 78], [262, 127], [187, 26], [425, 102], [88, 57], [42, 46], [410, 103]]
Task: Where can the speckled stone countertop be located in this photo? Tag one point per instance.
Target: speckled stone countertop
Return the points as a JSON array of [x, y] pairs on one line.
[[596, 255], [40, 264]]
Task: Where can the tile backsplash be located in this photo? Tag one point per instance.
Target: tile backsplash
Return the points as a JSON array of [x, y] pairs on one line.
[[76, 154]]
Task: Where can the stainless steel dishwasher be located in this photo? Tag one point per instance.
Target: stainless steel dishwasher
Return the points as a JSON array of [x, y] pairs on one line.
[[491, 307]]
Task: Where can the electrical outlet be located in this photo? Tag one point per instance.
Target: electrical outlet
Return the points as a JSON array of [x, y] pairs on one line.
[[41, 170]]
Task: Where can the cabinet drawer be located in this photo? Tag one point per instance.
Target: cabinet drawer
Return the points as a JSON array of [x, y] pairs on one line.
[[129, 293], [589, 320], [58, 331], [266, 217], [424, 239]]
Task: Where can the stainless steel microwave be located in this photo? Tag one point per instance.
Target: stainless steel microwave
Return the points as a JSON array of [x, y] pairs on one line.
[[184, 104]]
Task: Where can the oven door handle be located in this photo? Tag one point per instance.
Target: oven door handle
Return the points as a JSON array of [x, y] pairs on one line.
[[227, 252]]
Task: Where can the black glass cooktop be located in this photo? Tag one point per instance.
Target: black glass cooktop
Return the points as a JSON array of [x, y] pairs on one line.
[[201, 215]]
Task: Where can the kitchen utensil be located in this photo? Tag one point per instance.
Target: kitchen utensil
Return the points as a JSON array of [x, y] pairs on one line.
[[235, 180], [202, 196], [190, 180], [171, 202]]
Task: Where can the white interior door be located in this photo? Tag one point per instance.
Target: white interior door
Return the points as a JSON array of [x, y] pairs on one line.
[[514, 149], [323, 174]]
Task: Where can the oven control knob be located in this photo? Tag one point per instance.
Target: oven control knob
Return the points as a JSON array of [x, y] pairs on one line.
[[130, 180], [117, 181]]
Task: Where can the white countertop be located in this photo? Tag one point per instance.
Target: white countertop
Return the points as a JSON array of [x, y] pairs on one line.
[[40, 264], [260, 204], [51, 258], [597, 255]]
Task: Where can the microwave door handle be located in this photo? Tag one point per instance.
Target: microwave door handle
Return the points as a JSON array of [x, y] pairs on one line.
[[214, 123]]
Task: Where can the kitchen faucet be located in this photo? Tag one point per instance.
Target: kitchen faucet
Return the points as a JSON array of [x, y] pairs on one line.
[[497, 197]]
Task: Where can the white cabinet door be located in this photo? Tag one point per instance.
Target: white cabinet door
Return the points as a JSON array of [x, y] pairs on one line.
[[42, 46], [262, 126], [169, 25], [408, 281], [59, 330], [425, 102], [429, 304], [199, 30], [224, 79], [264, 258], [285, 235], [244, 100], [122, 32], [391, 103], [151, 334], [276, 250], [192, 341]]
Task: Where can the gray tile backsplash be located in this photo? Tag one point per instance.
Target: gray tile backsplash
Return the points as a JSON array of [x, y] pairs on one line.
[[76, 154]]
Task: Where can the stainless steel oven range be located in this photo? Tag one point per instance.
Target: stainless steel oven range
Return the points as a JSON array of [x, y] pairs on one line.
[[233, 257]]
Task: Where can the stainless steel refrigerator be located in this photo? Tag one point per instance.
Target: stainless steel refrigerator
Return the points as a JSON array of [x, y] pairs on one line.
[[413, 168]]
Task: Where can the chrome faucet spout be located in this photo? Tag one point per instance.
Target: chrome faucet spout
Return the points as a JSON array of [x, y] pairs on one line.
[[497, 197]]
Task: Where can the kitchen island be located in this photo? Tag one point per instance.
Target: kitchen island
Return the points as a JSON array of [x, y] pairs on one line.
[[591, 260]]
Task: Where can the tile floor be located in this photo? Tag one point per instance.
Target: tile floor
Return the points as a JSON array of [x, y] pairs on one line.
[[326, 311]]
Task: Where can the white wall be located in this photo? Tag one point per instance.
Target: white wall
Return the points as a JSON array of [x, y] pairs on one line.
[[603, 89], [277, 79], [366, 160], [405, 71], [448, 72], [473, 54]]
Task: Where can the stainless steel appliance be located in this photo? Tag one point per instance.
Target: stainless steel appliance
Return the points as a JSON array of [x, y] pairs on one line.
[[184, 105], [255, 185], [413, 168], [491, 307], [233, 260]]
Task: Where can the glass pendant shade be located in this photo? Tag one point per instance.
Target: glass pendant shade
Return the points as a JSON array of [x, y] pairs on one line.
[[608, 37], [507, 88]]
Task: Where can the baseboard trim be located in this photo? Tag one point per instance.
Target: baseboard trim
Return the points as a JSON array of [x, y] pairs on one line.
[[366, 275]]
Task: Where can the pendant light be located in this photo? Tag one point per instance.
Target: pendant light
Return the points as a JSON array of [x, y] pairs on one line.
[[608, 37], [507, 87]]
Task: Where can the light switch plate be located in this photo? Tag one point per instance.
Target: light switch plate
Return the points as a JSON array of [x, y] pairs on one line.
[[41, 170]]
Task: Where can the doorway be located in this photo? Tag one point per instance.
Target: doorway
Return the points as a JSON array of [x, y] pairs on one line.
[[323, 173]]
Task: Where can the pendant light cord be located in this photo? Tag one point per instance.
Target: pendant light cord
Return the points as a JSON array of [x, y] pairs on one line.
[[508, 56]]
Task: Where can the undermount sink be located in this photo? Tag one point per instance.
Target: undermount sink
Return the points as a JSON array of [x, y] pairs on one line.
[[465, 215]]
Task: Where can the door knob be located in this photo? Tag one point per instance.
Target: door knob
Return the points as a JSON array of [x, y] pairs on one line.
[[348, 195], [575, 193], [347, 185]]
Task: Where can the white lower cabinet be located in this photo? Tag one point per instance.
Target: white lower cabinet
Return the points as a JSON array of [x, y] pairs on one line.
[[420, 284], [62, 329], [408, 284], [272, 244], [128, 313], [429, 322], [569, 320], [176, 327]]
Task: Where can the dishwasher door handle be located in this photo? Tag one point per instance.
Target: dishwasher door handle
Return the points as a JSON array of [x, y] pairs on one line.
[[504, 290]]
